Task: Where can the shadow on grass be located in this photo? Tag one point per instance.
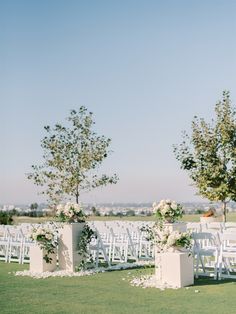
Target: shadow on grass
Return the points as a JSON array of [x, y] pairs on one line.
[[206, 281]]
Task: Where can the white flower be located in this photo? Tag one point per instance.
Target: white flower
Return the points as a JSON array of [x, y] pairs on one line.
[[70, 211], [165, 209], [174, 205], [154, 204], [49, 236], [60, 207]]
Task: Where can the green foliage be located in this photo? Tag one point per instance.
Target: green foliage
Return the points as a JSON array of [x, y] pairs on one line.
[[130, 212], [185, 241], [84, 239], [47, 239], [5, 218], [111, 213], [95, 211], [209, 154], [200, 211], [35, 213], [34, 206], [71, 155]]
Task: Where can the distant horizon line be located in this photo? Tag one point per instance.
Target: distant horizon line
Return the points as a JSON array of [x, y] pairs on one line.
[[109, 203]]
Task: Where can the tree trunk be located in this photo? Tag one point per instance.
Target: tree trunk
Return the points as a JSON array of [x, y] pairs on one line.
[[224, 210], [77, 198], [77, 194]]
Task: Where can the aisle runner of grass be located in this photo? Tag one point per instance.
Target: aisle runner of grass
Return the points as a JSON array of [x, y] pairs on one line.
[[108, 293]]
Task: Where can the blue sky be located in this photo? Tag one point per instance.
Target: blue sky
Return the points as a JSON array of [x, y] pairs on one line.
[[144, 68]]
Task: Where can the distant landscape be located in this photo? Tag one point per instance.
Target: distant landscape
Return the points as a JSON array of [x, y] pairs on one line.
[[113, 209]]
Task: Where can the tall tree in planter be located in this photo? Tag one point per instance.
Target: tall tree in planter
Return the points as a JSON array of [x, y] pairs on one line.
[[209, 154], [71, 156]]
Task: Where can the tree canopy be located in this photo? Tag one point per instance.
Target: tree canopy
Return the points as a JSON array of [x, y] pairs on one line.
[[72, 155], [209, 154]]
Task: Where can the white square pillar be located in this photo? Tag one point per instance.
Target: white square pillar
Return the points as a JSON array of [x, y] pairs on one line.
[[37, 262], [177, 269], [68, 256], [157, 263]]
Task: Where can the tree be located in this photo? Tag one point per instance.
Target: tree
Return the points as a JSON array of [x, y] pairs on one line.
[[95, 211], [72, 154], [130, 212], [209, 154], [34, 206]]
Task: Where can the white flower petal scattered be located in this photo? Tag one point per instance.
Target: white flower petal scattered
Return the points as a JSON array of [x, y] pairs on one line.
[[63, 273], [149, 281]]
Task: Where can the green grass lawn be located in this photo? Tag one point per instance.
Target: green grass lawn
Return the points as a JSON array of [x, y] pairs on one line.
[[107, 293]]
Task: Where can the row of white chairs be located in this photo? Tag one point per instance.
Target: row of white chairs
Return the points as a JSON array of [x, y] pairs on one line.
[[215, 253], [219, 226], [14, 244], [120, 241], [115, 242], [214, 246]]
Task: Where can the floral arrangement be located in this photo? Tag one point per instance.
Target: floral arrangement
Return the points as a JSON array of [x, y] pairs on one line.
[[169, 241], [70, 212], [167, 211], [46, 238]]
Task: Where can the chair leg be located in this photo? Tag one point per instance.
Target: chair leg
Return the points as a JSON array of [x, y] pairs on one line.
[[203, 266], [220, 269]]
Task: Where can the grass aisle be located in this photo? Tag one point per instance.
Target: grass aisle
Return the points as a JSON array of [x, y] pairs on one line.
[[108, 293]]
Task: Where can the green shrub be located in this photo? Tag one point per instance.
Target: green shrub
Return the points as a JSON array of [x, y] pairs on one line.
[[200, 211], [5, 218]]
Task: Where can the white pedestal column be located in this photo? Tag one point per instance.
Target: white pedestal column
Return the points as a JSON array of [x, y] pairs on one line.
[[68, 256], [180, 226], [177, 269], [38, 264], [157, 264]]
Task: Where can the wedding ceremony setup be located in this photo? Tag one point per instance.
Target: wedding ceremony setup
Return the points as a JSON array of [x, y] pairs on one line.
[[118, 157], [179, 251]]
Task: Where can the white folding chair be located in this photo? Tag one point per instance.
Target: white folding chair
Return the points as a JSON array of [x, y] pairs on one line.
[[100, 250], [215, 226], [230, 226], [194, 227], [227, 257], [4, 243], [206, 253], [15, 245], [119, 245]]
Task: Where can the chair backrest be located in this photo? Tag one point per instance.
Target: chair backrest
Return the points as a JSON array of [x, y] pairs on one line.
[[228, 236], [206, 239], [194, 226], [216, 225], [230, 226], [228, 240]]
